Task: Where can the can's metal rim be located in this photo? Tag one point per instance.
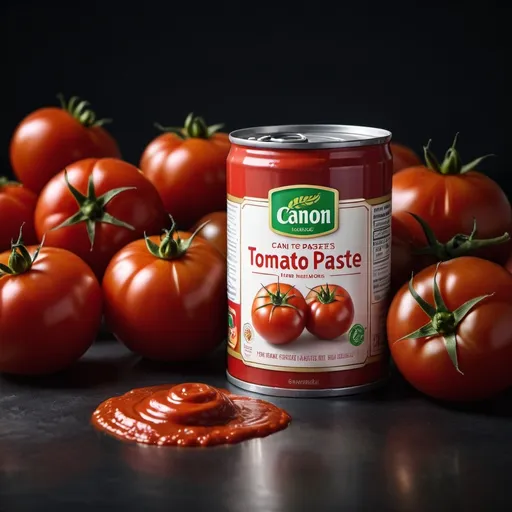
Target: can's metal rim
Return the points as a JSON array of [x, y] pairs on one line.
[[296, 136], [306, 393]]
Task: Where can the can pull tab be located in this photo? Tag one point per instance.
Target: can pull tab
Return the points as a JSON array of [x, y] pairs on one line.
[[281, 137]]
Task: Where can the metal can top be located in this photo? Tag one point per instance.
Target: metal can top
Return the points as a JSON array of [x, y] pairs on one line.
[[309, 136]]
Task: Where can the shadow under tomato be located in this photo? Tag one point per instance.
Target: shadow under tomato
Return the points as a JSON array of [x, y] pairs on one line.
[[104, 333], [211, 364], [82, 374], [499, 406], [399, 389]]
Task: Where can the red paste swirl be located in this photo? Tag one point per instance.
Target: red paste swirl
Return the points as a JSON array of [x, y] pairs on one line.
[[190, 414]]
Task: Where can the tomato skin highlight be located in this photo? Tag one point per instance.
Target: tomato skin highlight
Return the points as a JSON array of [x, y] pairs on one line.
[[50, 314], [284, 324], [403, 157], [484, 336], [190, 174], [49, 139], [141, 208], [329, 321], [450, 204], [167, 310], [17, 206], [215, 231]]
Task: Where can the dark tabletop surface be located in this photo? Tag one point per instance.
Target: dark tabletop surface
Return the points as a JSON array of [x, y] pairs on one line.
[[391, 449]]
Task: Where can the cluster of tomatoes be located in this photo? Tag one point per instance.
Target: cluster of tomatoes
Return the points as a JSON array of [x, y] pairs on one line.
[[449, 326], [280, 313], [86, 236]]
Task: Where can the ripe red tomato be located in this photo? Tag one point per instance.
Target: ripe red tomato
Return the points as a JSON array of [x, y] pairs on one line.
[[407, 258], [453, 341], [403, 157], [279, 313], [215, 231], [508, 264], [167, 302], [450, 198], [97, 206], [17, 205], [330, 311], [188, 168], [51, 309], [49, 139]]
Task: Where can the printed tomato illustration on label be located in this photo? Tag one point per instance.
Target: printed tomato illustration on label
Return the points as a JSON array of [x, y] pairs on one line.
[[331, 311], [309, 228], [279, 313]]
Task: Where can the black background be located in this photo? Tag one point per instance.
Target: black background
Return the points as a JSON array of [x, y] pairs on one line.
[[422, 72]]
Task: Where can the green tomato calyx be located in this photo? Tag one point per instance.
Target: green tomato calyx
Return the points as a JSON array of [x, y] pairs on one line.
[[91, 209], [20, 260], [79, 110], [442, 322], [459, 245], [277, 299], [172, 246], [325, 295], [4, 181], [452, 163], [194, 127]]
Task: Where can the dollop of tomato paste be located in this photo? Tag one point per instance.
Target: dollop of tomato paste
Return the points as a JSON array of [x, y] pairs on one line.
[[190, 414]]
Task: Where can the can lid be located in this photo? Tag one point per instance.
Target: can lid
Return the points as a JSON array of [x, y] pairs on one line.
[[309, 136]]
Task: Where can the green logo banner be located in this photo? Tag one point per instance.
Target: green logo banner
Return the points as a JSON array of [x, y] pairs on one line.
[[303, 211]]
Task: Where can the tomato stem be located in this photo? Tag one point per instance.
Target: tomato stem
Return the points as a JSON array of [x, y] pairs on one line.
[[78, 109], [91, 209], [277, 299], [459, 245], [442, 321], [452, 163], [20, 260], [194, 127], [172, 246], [430, 158], [325, 295], [4, 180]]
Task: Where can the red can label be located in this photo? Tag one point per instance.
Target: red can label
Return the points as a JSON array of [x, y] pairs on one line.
[[308, 277]]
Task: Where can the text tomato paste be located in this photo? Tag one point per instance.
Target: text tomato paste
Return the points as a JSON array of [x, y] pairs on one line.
[[309, 233]]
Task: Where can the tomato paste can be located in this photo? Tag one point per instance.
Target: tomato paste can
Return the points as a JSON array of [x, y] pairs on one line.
[[309, 240]]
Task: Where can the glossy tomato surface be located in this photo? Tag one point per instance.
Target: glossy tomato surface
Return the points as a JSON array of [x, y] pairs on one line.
[[189, 174], [49, 139], [329, 320], [215, 231], [50, 314], [403, 157], [450, 204], [140, 208], [279, 324], [17, 205], [484, 336], [167, 310], [508, 264]]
